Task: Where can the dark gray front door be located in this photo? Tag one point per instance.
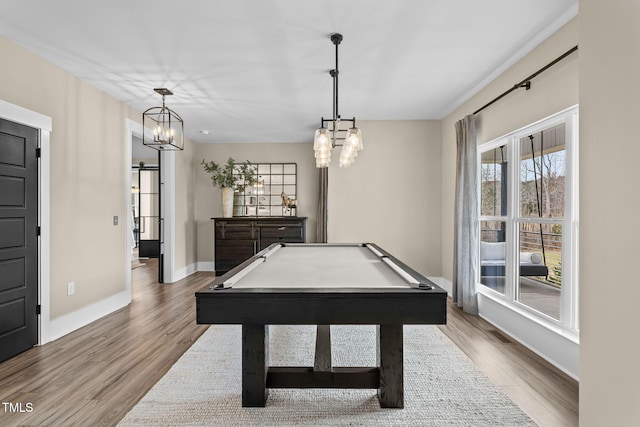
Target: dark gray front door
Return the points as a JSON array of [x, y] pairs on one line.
[[18, 238]]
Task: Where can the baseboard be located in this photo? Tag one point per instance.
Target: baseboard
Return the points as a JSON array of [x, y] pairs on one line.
[[183, 272], [65, 324], [206, 266], [560, 349]]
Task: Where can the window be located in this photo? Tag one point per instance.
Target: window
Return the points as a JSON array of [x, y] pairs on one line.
[[493, 215], [528, 218]]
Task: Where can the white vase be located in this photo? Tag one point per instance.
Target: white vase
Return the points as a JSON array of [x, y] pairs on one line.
[[227, 202]]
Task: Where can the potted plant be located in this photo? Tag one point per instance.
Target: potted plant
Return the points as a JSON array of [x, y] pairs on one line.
[[230, 177]]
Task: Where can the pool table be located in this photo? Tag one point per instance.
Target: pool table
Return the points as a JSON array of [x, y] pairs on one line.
[[322, 284]]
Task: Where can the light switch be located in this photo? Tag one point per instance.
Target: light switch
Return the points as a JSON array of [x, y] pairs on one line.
[[115, 220]]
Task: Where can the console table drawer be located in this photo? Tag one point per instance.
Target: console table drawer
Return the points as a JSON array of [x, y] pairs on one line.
[[288, 231]]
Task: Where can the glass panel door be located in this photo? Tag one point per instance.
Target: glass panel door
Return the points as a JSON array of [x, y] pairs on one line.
[[148, 212]]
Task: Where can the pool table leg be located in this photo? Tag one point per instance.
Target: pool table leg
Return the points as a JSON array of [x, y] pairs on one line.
[[255, 364], [390, 362]]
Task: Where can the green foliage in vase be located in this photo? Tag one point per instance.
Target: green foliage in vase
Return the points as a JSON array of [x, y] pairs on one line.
[[231, 174]]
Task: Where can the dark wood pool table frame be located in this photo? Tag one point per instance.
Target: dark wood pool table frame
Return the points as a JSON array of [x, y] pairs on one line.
[[257, 308]]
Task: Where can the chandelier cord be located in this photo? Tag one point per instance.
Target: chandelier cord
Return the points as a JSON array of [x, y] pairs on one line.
[[336, 38], [336, 114]]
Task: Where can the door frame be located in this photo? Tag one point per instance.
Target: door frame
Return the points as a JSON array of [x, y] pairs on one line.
[[168, 165], [43, 123]]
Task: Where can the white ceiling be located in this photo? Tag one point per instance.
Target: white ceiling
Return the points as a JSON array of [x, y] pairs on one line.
[[257, 70]]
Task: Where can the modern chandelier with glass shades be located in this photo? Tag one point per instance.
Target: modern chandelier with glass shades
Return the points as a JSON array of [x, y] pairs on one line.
[[328, 137]]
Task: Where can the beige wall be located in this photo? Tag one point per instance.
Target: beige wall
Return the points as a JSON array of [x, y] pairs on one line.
[[207, 198], [552, 91], [609, 206], [88, 176], [89, 167], [391, 194]]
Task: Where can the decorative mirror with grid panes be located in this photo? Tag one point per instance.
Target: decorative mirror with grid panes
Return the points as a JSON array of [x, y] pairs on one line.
[[265, 197]]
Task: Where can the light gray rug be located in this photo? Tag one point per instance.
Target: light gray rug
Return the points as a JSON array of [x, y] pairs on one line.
[[442, 386]]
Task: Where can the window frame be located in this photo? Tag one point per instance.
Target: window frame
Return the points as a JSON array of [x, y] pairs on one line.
[[568, 318]]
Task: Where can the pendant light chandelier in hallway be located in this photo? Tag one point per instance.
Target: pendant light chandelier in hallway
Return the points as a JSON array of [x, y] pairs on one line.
[[167, 125], [336, 134]]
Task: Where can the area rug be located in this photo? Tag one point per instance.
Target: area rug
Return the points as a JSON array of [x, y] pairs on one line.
[[442, 385]]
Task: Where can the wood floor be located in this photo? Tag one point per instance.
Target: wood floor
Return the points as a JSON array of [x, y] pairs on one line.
[[542, 391], [96, 374]]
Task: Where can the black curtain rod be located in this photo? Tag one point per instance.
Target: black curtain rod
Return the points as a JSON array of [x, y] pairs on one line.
[[526, 83]]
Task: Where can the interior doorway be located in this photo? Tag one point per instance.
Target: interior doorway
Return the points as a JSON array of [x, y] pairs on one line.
[[146, 210], [43, 124], [19, 232], [155, 203]]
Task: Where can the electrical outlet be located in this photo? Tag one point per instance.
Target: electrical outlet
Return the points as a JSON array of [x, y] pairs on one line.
[[115, 220], [71, 288]]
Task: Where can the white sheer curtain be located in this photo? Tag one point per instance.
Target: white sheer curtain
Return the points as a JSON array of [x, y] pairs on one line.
[[466, 233]]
